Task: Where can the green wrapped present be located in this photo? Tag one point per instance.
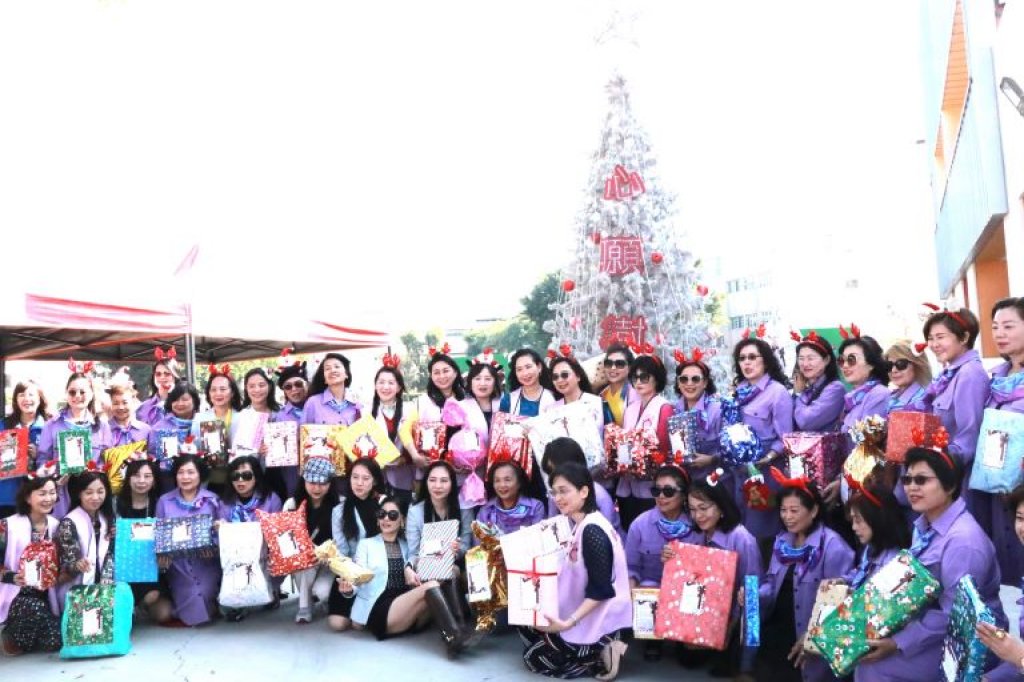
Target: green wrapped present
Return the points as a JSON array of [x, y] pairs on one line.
[[97, 621], [877, 609], [963, 654], [74, 450]]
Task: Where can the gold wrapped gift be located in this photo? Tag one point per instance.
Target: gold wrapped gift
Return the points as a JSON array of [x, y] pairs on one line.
[[867, 453], [342, 566], [115, 459], [489, 550]]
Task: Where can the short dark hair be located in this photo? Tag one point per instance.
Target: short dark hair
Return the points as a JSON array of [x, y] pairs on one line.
[[705, 371], [883, 515], [271, 398], [771, 361], [620, 348], [873, 356], [124, 497], [478, 368], [318, 384], [236, 394], [561, 451], [180, 389], [1015, 499], [577, 369], [721, 498], [261, 489], [79, 482], [680, 476], [653, 366], [948, 468], [961, 323], [454, 512], [578, 477], [517, 470], [28, 486], [809, 497], [181, 460]]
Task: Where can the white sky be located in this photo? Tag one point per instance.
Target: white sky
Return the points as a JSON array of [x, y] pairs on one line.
[[428, 157]]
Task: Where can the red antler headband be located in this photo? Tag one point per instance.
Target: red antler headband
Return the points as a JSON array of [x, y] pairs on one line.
[[858, 487], [696, 355], [445, 350], [564, 351], [760, 332], [812, 338], [161, 355], [802, 483], [79, 367], [854, 332], [944, 309], [939, 442], [223, 370], [638, 348]]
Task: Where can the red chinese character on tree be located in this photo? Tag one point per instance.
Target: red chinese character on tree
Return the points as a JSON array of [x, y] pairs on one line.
[[622, 255], [622, 329]]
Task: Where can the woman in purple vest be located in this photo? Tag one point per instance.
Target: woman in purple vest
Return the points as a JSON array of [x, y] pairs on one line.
[[594, 605], [85, 537], [805, 553], [31, 616]]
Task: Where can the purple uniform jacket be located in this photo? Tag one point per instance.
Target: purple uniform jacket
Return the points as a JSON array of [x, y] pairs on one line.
[[961, 405], [271, 504], [709, 426], [47, 446], [491, 512], [835, 558], [194, 582], [1009, 550], [739, 540], [319, 411], [769, 415], [151, 410], [873, 564], [875, 403], [135, 431], [824, 412], [289, 413], [958, 548], [644, 543]]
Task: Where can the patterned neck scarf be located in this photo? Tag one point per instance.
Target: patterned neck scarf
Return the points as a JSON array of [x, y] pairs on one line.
[[673, 530], [245, 511], [181, 424], [857, 395], [897, 404], [862, 569], [921, 540], [939, 385], [805, 557], [746, 392], [1006, 389], [517, 513], [336, 405], [808, 395], [192, 506]]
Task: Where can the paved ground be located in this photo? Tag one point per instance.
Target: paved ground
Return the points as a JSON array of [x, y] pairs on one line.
[[269, 647]]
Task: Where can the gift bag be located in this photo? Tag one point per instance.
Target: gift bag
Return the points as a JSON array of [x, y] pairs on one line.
[[509, 442], [367, 438], [576, 421], [877, 609], [116, 459], [341, 565], [249, 433], [13, 453], [496, 576], [97, 621], [478, 579], [818, 456], [244, 581], [631, 451], [645, 611], [288, 543], [74, 450], [867, 453], [169, 442], [436, 558], [184, 536], [696, 595], [135, 550], [828, 598], [282, 442], [532, 588], [963, 654], [213, 442], [683, 436], [750, 633], [321, 440], [900, 437], [39, 565], [1000, 453], [430, 438]]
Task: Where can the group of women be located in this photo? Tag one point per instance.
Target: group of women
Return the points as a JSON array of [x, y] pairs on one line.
[[623, 525]]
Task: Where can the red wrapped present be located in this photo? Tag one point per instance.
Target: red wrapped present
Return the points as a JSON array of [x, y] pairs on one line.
[[13, 453], [696, 596], [38, 565], [818, 456], [532, 589], [632, 451], [901, 429], [430, 438], [509, 442], [289, 547]]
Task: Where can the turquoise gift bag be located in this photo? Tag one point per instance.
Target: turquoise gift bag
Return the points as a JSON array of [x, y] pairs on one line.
[[97, 621], [135, 549], [997, 461]]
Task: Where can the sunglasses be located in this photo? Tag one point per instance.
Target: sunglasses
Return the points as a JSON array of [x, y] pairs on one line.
[[918, 480], [899, 365], [289, 385], [641, 378], [560, 376], [620, 364], [848, 360], [243, 476], [751, 357], [390, 515], [667, 491], [683, 379], [76, 391]]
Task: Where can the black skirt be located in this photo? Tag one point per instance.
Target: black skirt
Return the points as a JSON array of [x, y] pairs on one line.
[[377, 622], [338, 604]]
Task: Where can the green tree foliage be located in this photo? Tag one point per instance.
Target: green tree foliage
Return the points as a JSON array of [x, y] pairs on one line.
[[522, 331]]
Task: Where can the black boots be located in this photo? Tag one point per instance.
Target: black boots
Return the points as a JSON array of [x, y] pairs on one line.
[[444, 615]]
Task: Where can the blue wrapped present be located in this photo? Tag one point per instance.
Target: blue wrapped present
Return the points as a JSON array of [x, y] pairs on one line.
[[751, 612], [97, 621], [184, 536], [168, 446], [963, 654], [739, 444], [135, 549], [1000, 452]]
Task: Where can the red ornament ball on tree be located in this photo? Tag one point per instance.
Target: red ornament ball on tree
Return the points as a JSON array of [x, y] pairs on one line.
[[656, 257], [568, 285], [702, 290], [595, 237]]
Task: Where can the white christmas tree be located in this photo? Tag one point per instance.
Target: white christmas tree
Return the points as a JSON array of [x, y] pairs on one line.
[[630, 279]]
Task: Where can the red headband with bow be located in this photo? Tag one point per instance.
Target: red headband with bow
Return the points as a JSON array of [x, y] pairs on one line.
[[160, 354], [811, 338], [445, 350], [858, 487], [952, 313], [801, 483], [759, 332], [80, 367], [223, 370]]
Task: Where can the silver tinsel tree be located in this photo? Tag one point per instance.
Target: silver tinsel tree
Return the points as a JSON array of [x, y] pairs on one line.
[[630, 279]]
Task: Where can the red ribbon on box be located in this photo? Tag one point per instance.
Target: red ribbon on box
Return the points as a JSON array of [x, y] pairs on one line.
[[533, 576]]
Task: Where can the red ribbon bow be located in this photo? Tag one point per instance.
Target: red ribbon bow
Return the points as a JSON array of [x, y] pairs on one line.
[[46, 470], [80, 368], [445, 350], [940, 440], [532, 576], [223, 370], [160, 354]]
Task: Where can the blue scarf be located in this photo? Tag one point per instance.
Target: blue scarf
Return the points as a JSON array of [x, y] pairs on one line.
[[897, 405], [338, 407], [857, 395], [192, 506], [517, 513], [921, 540], [673, 530], [805, 558], [746, 392], [245, 511], [1006, 389], [862, 569], [936, 388]]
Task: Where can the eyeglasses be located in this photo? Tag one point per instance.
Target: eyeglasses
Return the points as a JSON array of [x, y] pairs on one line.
[[620, 364], [559, 492], [848, 360], [243, 476], [751, 357], [76, 391], [918, 480], [640, 378], [290, 385], [667, 491], [389, 514], [560, 376], [683, 379], [899, 365]]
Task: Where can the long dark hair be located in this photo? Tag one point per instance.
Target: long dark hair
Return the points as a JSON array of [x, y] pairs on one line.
[[577, 369], [13, 420], [721, 498], [545, 375], [318, 384], [80, 482], [771, 361], [349, 526], [880, 510], [375, 409], [451, 502], [458, 386], [271, 398], [236, 394], [261, 489], [124, 497], [872, 356]]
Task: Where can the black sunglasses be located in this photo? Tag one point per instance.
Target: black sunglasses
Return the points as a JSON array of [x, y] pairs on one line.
[[683, 379], [560, 376], [289, 385], [640, 378], [899, 365], [389, 514], [621, 364], [918, 480], [667, 491], [243, 476]]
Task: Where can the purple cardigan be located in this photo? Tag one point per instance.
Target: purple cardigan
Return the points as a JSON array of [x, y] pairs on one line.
[[961, 405], [824, 412]]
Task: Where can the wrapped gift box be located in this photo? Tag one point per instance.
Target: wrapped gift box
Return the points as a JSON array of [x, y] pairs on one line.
[[430, 438], [39, 565], [490, 551], [341, 565], [645, 611], [184, 536], [818, 456], [436, 559], [631, 451], [116, 459], [697, 589], [739, 444], [963, 654], [751, 624], [900, 436], [169, 443], [249, 433], [97, 621], [876, 610], [135, 549], [282, 442], [478, 576], [827, 600], [683, 436], [576, 421], [213, 442], [549, 536], [367, 438], [867, 454], [1000, 453], [532, 588], [74, 450], [289, 546], [13, 453], [509, 442], [244, 581], [321, 440]]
